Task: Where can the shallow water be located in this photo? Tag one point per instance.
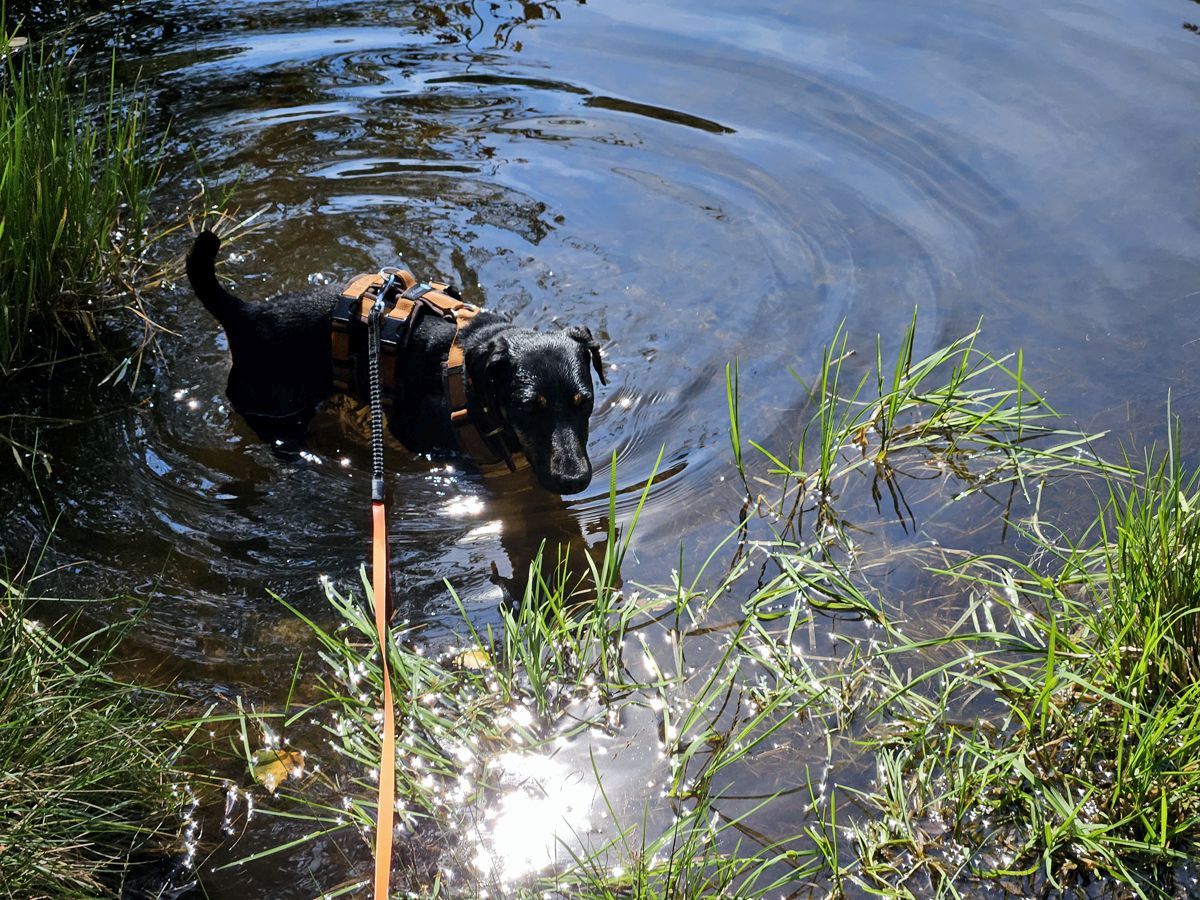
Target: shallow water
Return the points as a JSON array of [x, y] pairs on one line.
[[696, 184]]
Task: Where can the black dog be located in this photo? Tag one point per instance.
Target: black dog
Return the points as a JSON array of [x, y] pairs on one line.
[[282, 373]]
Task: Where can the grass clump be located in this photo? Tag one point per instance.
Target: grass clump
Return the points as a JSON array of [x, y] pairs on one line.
[[1079, 659], [481, 727], [1148, 563], [957, 412], [76, 169], [89, 798]]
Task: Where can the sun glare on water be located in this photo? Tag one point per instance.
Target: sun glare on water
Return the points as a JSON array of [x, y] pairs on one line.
[[546, 803]]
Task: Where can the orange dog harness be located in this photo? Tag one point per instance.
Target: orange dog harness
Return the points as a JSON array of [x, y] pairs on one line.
[[480, 432]]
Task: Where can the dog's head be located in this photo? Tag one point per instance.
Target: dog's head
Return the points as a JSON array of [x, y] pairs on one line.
[[542, 384]]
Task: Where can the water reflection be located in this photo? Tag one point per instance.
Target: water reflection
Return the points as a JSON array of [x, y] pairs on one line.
[[537, 531], [494, 25], [501, 21]]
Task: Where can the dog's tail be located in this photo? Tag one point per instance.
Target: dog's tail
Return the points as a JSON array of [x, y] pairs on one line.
[[202, 273]]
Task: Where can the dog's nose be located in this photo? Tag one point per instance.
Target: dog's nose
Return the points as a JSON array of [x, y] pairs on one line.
[[570, 473], [574, 484]]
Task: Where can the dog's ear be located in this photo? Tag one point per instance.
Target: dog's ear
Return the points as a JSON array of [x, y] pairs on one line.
[[583, 334]]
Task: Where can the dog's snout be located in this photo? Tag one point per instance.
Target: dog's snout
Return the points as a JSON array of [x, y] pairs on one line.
[[571, 473], [570, 467]]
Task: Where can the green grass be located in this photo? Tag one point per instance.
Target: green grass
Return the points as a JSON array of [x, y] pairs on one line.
[[1084, 651], [88, 791], [560, 669], [76, 170], [959, 410], [1039, 735]]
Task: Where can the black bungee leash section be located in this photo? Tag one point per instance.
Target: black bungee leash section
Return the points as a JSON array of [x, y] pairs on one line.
[[375, 390]]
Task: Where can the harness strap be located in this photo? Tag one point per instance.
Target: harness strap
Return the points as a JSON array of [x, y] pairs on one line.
[[480, 434], [474, 442]]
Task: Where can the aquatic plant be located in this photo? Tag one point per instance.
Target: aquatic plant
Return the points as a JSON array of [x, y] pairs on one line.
[[958, 410], [76, 168], [1080, 656], [89, 796], [1047, 736]]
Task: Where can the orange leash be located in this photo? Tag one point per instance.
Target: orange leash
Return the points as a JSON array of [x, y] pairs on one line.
[[387, 755], [380, 587]]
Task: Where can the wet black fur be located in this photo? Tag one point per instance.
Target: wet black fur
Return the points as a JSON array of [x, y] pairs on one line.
[[541, 382]]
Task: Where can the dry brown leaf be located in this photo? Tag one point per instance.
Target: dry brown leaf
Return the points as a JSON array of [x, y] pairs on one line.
[[272, 768], [474, 660]]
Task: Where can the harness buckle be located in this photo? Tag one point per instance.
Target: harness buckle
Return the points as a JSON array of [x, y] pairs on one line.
[[417, 291]]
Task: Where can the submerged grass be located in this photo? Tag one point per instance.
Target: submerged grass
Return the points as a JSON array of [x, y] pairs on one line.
[[958, 411], [89, 797], [1043, 736]]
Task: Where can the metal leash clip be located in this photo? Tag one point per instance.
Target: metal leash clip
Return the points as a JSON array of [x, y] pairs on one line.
[[391, 278]]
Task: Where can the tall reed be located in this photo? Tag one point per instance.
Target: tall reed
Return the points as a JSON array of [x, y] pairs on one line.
[[76, 167]]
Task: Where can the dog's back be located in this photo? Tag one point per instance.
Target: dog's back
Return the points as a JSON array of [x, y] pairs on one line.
[[281, 352]]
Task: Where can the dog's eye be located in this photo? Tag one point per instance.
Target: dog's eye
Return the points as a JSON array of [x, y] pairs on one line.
[[533, 404], [582, 399]]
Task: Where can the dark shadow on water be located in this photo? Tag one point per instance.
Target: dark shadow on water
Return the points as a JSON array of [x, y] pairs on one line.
[[660, 113]]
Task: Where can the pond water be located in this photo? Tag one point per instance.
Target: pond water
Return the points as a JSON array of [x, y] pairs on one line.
[[698, 182]]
